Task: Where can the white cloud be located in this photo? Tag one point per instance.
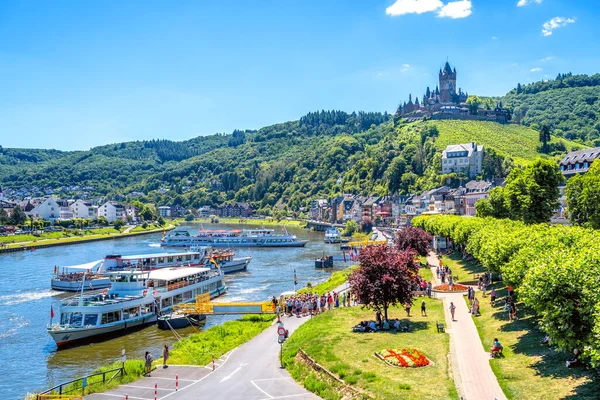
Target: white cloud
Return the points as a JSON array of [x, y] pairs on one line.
[[494, 38], [456, 9], [522, 3], [546, 59], [453, 9], [401, 7], [514, 64], [405, 67], [555, 23], [537, 69]]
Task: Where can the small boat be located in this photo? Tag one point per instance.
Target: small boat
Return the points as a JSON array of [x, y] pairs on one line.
[[226, 260], [324, 262], [332, 235], [177, 321]]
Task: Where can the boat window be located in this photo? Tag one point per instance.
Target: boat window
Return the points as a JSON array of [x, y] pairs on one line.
[[90, 319], [167, 302], [64, 318], [161, 260], [188, 257], [169, 259], [76, 319], [130, 312], [147, 308], [177, 299], [109, 317], [187, 296]]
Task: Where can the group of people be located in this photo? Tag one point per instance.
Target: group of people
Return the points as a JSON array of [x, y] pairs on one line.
[[473, 302], [381, 324], [312, 303], [148, 359], [444, 273]]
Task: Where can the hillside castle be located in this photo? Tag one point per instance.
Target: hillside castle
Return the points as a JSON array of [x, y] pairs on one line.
[[445, 102]]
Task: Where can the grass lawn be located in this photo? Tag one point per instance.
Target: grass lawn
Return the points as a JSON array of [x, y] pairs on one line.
[[329, 340], [426, 274], [465, 270], [335, 280], [530, 370]]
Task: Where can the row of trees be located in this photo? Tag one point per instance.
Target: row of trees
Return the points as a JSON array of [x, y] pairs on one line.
[[554, 269], [530, 195]]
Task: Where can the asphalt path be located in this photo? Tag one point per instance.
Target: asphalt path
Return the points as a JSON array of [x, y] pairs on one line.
[[251, 371]]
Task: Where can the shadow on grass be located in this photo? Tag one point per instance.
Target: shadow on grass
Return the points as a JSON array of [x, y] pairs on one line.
[[414, 327], [551, 363], [470, 267]]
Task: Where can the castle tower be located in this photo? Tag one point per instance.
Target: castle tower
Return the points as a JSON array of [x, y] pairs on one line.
[[447, 84]]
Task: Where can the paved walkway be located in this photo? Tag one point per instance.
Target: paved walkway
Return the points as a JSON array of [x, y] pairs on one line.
[[476, 379]]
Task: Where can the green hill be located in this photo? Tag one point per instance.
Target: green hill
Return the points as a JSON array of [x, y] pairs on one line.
[[570, 104], [518, 142], [287, 164]]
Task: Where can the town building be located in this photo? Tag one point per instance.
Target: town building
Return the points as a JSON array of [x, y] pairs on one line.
[[234, 210], [48, 209], [83, 209], [112, 212], [475, 190], [204, 212], [464, 158], [578, 162], [164, 211]]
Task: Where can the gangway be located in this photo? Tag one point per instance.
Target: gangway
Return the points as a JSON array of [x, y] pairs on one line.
[[360, 243], [203, 306]]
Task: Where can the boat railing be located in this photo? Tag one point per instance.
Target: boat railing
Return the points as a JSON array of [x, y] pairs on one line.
[[97, 300]]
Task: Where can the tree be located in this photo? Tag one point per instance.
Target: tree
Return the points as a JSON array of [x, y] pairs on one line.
[[545, 137], [3, 216], [118, 224], [496, 205], [160, 221], [351, 228], [413, 238], [17, 216], [366, 225], [532, 194], [583, 197], [385, 277]]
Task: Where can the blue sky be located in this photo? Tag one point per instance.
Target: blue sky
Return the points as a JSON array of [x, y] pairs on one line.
[[77, 74]]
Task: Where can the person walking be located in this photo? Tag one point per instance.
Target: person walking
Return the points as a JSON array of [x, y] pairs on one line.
[[344, 299], [423, 309], [452, 310], [408, 306], [493, 296], [166, 354]]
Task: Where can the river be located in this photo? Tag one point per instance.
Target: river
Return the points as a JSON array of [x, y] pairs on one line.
[[29, 356]]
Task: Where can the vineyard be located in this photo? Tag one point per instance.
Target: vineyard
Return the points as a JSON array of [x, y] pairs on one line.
[[555, 270], [519, 142]]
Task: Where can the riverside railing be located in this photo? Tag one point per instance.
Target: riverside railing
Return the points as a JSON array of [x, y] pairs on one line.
[[59, 389]]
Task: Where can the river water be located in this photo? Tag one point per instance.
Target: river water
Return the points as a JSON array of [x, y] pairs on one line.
[[28, 354]]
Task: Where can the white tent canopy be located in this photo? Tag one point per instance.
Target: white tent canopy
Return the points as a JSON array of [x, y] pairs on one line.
[[87, 266]]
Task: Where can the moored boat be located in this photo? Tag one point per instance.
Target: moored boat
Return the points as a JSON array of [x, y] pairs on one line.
[[232, 238], [332, 235], [179, 321], [324, 262], [135, 299], [71, 278]]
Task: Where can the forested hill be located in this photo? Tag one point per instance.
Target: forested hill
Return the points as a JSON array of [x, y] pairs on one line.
[[570, 104], [287, 164]]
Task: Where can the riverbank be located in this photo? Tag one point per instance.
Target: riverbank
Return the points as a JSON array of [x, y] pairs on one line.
[[63, 241], [194, 350], [249, 221]]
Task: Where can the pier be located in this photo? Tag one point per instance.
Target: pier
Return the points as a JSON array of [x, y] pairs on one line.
[[203, 306]]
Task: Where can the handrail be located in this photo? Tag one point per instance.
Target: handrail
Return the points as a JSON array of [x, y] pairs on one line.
[[60, 386]]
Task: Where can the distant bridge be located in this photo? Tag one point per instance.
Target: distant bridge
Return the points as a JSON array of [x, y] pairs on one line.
[[322, 226]]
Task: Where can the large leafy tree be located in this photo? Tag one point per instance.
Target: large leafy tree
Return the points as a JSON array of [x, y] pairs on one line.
[[385, 277], [545, 136], [413, 238], [18, 217], [494, 206], [583, 198]]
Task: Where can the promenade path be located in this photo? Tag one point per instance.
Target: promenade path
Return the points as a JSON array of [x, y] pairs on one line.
[[475, 380], [251, 371]]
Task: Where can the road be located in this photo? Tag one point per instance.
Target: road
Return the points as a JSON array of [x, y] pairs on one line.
[[251, 371]]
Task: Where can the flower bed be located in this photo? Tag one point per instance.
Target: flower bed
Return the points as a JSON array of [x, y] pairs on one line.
[[455, 288], [405, 358]]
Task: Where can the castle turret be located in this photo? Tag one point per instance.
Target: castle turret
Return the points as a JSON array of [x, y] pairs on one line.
[[447, 84]]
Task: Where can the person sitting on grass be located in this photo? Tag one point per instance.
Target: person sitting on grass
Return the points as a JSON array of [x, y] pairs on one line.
[[496, 348], [573, 362], [386, 325], [372, 326]]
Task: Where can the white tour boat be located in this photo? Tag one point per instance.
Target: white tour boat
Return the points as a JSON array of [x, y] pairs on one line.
[[70, 278], [135, 299], [232, 238], [332, 235]]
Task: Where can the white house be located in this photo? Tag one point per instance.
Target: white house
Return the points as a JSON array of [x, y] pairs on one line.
[[164, 211], [112, 212], [83, 209], [49, 209], [467, 158]]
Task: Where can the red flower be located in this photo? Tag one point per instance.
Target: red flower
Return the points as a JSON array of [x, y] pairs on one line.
[[446, 287], [407, 358]]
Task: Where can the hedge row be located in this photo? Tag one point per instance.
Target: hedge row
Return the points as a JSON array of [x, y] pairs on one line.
[[554, 269]]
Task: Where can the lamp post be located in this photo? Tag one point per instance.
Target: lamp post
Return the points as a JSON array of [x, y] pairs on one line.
[[123, 359]]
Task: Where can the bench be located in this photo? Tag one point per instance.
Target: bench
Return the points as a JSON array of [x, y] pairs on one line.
[[439, 326]]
